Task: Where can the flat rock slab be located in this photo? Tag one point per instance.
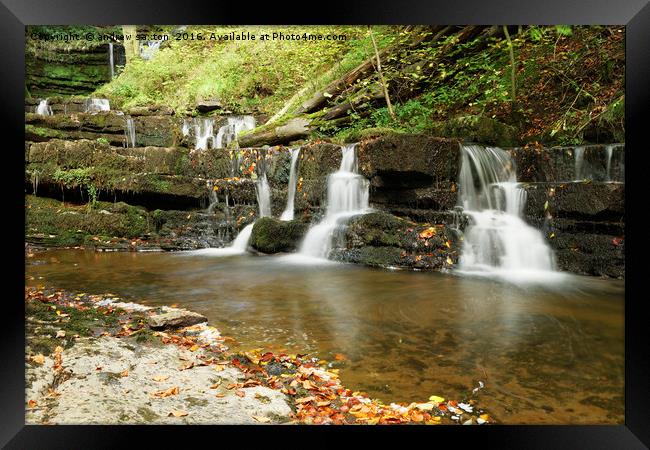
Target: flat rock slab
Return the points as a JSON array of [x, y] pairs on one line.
[[111, 381], [177, 318]]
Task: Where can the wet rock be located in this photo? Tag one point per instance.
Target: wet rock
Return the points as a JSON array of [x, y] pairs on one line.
[[272, 235], [205, 106], [478, 128], [176, 318], [581, 200]]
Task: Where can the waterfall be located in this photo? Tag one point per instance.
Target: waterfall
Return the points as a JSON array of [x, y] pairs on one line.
[[579, 163], [347, 196], [291, 187], [203, 133], [129, 132], [149, 49], [111, 60], [234, 125], [186, 127], [263, 192], [95, 105], [43, 108], [498, 241]]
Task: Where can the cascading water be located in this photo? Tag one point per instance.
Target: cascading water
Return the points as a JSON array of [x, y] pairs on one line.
[[95, 105], [347, 196], [498, 241], [228, 132], [579, 163], [129, 132], [111, 60], [149, 49], [240, 244], [43, 108], [203, 133], [291, 188]]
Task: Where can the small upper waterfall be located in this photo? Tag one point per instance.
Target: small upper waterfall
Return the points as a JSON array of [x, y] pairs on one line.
[[43, 108], [579, 163], [203, 133], [498, 241], [291, 187], [347, 196], [129, 132], [263, 196], [148, 49], [95, 105], [228, 132], [111, 60]]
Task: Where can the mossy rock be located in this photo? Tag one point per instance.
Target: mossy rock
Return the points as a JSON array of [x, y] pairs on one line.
[[272, 235], [478, 128], [370, 256]]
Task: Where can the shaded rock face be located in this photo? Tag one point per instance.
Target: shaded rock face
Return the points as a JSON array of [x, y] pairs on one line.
[[71, 71], [584, 223], [537, 164], [150, 130], [382, 240], [478, 129], [176, 318], [272, 235]]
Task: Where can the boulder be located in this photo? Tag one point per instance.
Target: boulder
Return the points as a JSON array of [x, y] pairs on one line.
[[272, 235], [205, 106], [175, 318]]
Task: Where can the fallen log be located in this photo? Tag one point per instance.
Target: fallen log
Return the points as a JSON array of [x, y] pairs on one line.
[[293, 130]]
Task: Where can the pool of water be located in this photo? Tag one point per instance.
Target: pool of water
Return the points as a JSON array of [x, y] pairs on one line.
[[550, 353]]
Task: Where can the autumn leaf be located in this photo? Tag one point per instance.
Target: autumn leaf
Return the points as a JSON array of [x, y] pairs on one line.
[[166, 393], [429, 232], [32, 403], [436, 399], [160, 377], [38, 359], [176, 413], [124, 374], [240, 393], [261, 419], [340, 357]]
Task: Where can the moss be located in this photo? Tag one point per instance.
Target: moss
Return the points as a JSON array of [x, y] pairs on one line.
[[147, 414], [272, 235], [478, 128], [76, 225]]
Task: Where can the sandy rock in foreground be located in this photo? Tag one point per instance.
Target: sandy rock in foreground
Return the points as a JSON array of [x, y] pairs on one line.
[[113, 382]]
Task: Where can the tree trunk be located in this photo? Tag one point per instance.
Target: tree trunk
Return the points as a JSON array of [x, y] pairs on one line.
[[382, 80], [131, 49]]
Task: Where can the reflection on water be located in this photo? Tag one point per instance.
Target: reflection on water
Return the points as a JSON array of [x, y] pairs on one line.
[[551, 354]]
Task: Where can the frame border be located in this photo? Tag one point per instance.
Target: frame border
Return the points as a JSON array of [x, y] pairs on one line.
[[635, 14]]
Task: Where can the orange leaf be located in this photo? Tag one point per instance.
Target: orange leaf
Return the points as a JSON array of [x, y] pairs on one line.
[[240, 393], [176, 413], [166, 393]]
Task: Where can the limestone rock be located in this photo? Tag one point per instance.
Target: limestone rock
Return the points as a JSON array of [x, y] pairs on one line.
[[177, 318]]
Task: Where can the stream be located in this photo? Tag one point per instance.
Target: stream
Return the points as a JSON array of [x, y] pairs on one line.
[[547, 354]]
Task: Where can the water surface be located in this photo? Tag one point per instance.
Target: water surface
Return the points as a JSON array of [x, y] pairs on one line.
[[547, 354]]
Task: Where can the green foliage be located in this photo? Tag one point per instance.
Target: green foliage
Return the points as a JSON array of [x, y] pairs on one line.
[[243, 75]]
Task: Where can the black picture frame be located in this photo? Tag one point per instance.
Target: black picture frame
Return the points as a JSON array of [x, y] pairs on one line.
[[635, 14]]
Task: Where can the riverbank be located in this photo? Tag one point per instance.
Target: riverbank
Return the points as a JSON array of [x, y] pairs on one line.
[[95, 359]]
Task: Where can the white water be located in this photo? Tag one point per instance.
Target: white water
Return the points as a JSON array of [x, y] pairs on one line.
[[186, 127], [240, 244], [579, 163], [203, 133], [263, 192], [95, 105], [111, 60], [498, 242], [148, 49], [43, 108], [228, 132], [291, 188], [129, 132], [347, 196]]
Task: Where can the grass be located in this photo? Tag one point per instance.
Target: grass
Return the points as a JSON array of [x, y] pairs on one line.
[[244, 75]]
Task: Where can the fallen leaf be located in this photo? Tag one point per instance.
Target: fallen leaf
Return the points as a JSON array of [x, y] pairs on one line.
[[219, 368], [32, 403], [220, 395], [176, 413], [240, 393], [262, 419], [160, 377], [124, 374], [166, 393], [38, 359], [436, 399]]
